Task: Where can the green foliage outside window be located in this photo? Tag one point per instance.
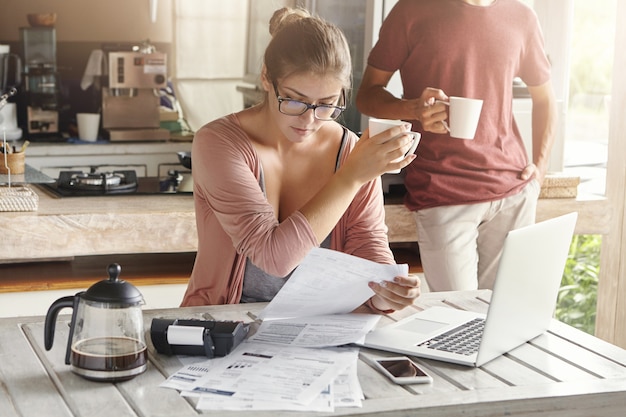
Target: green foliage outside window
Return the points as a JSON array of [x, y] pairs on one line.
[[577, 300]]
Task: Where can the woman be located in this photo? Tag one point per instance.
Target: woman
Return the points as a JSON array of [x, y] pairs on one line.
[[274, 181]]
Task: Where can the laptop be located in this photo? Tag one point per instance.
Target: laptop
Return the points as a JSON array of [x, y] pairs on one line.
[[522, 303]]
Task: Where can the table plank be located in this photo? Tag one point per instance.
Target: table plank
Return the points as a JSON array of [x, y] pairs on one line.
[[590, 342], [6, 404], [604, 398], [26, 381], [515, 373], [578, 356], [550, 365], [148, 399], [84, 397], [464, 377]]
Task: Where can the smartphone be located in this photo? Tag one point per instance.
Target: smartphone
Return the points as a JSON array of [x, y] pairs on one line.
[[401, 370]]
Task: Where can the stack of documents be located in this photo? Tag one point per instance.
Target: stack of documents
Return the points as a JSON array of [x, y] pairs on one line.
[[296, 359], [260, 376]]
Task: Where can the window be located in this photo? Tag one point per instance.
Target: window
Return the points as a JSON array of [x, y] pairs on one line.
[[590, 74]]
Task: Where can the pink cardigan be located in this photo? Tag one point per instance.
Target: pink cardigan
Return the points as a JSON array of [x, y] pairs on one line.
[[235, 221]]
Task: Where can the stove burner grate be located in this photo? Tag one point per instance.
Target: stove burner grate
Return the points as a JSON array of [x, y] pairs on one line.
[[80, 183]]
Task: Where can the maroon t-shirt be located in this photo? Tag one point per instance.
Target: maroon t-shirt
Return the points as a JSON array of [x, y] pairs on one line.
[[467, 51]]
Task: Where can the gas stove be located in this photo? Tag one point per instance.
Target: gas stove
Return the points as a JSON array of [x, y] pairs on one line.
[[97, 183], [123, 182]]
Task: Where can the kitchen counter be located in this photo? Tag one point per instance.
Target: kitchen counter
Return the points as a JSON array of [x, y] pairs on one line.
[[80, 226], [593, 216], [124, 224]]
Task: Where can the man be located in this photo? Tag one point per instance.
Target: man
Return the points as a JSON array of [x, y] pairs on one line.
[[465, 194]]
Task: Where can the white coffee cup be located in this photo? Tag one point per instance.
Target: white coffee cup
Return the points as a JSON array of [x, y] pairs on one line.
[[464, 116], [88, 126], [377, 126]]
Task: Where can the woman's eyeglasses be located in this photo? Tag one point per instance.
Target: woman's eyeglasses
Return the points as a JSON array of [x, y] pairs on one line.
[[293, 107]]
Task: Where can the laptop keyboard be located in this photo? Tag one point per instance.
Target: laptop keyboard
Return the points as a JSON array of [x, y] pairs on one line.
[[463, 340]]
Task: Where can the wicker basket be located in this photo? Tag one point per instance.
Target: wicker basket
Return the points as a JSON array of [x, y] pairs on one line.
[[19, 198], [15, 162]]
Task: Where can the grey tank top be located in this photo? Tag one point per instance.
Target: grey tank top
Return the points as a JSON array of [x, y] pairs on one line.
[[260, 286]]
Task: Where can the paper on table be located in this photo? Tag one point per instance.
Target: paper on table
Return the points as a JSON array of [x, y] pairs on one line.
[[329, 282], [316, 331], [275, 373], [345, 391], [324, 402], [185, 378]]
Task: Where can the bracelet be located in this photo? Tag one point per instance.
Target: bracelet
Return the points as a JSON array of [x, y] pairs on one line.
[[371, 305]]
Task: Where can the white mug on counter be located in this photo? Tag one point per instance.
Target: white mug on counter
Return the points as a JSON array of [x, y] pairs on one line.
[[88, 126], [464, 116], [377, 126]]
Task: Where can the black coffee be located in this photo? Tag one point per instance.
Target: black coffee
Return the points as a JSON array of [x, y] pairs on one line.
[[110, 358]]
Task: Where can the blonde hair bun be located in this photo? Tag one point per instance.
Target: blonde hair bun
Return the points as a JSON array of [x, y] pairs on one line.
[[306, 44], [285, 16]]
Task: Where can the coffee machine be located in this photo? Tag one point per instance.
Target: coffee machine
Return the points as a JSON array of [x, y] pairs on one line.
[[130, 101], [40, 96]]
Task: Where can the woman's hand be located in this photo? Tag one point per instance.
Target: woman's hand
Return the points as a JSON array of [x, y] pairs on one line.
[[373, 156], [396, 294]]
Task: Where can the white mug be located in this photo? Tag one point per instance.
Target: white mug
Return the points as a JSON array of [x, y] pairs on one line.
[[464, 117], [377, 126], [88, 126]]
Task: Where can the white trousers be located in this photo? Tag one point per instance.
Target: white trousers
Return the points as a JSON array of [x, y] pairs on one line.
[[460, 246]]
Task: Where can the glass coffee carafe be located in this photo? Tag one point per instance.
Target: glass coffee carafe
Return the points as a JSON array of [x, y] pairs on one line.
[[106, 340]]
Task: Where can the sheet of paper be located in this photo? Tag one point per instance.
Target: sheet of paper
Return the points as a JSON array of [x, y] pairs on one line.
[[328, 282], [186, 378], [275, 373], [345, 391], [324, 402], [317, 331]]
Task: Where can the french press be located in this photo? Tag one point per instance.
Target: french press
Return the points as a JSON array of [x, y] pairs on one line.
[[106, 341]]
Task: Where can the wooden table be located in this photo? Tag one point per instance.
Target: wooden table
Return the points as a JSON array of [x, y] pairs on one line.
[[562, 373]]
